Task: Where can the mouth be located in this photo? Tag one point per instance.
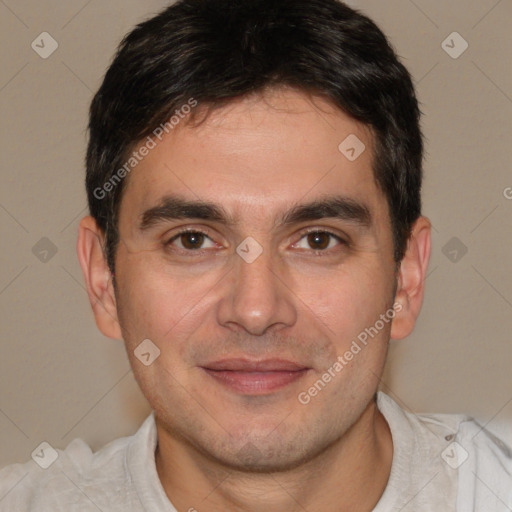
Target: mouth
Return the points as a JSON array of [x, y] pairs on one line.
[[255, 377]]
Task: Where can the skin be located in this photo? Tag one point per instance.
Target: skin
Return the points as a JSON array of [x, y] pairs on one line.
[[303, 299]]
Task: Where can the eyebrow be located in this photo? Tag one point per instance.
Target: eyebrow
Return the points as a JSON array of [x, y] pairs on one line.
[[175, 208], [336, 207]]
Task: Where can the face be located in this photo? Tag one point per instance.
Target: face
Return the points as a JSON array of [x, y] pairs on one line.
[[253, 254]]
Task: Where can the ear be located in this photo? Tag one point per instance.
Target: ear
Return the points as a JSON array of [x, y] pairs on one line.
[[98, 278], [411, 280]]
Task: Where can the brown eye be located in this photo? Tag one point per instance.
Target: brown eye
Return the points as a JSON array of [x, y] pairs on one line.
[[319, 241], [191, 241]]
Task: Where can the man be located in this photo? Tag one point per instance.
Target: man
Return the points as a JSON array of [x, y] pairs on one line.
[[256, 239]]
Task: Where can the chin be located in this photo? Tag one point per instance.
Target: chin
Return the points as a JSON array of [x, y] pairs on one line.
[[251, 459]]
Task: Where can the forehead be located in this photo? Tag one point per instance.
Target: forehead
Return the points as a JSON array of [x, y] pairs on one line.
[[259, 155]]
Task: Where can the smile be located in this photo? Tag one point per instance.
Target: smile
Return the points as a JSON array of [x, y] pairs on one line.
[[255, 377], [255, 382]]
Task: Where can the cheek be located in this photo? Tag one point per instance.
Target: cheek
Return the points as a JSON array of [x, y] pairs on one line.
[[346, 300], [158, 302]]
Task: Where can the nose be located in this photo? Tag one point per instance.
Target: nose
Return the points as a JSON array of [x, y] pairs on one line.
[[256, 297]]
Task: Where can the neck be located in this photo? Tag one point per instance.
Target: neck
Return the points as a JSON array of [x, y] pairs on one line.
[[351, 474]]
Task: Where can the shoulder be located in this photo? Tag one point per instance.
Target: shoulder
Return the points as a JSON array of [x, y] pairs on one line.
[[71, 479], [485, 469], [458, 448], [483, 462]]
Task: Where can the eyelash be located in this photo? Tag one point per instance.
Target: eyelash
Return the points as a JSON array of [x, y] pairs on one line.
[[313, 231], [185, 231], [340, 240]]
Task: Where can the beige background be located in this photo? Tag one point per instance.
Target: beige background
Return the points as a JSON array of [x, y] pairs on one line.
[[60, 379]]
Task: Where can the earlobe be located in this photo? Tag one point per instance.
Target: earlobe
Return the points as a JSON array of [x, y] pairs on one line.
[[98, 278], [411, 279]]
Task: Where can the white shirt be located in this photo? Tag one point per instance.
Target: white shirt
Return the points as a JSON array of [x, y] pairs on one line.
[[441, 463]]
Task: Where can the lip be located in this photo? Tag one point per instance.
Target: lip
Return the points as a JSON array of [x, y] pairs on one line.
[[246, 365], [255, 377]]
